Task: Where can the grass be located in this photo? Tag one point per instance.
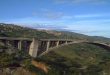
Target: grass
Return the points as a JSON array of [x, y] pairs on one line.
[[77, 58], [83, 53]]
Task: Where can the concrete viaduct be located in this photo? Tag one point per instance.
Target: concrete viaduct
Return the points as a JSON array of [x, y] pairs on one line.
[[38, 47]]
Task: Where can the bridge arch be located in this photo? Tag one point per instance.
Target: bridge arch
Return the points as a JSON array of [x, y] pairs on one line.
[[105, 46]]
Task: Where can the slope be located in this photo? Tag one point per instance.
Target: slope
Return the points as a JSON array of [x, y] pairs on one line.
[[79, 57]]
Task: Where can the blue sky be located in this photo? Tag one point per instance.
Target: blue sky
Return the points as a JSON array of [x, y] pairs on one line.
[[91, 17]]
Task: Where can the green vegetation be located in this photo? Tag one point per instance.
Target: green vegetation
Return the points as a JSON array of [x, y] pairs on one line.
[[11, 30], [18, 59], [78, 59], [12, 60]]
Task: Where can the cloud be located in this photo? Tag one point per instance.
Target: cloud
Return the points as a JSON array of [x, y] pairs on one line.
[[82, 1], [92, 15], [95, 30], [53, 15], [68, 17], [48, 14], [33, 21], [94, 21], [88, 15]]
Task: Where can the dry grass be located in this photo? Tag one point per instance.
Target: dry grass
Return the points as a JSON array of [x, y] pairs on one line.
[[41, 66]]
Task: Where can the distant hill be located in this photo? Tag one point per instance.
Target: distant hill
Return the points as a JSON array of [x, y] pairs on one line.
[[11, 30]]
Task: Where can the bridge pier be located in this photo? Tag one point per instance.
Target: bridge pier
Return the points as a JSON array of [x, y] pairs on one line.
[[34, 48], [48, 45], [66, 42], [19, 44], [7, 43], [57, 43]]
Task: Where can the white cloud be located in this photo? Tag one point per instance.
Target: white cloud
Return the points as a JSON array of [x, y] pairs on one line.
[[95, 30], [49, 14], [87, 16], [94, 21], [53, 15], [82, 1], [92, 15], [67, 17]]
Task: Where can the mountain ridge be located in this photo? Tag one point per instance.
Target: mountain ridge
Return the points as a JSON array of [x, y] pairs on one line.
[[12, 30]]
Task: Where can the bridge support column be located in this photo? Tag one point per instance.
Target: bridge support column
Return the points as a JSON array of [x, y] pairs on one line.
[[48, 45], [66, 42], [7, 43], [19, 44], [34, 48], [57, 43]]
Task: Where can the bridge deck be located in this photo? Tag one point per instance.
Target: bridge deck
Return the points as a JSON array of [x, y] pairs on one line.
[[30, 39], [13, 38], [57, 39]]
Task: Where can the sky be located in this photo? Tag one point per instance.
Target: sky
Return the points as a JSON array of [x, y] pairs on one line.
[[90, 17]]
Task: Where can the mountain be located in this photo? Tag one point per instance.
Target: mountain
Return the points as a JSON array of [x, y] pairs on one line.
[[12, 30]]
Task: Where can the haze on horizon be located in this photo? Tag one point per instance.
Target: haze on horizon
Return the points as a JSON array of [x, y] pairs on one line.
[[90, 17]]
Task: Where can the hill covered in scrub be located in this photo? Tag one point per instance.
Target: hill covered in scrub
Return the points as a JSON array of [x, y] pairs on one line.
[[11, 30], [78, 59]]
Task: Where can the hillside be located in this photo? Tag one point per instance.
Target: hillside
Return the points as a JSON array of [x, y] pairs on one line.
[[11, 30], [79, 59]]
